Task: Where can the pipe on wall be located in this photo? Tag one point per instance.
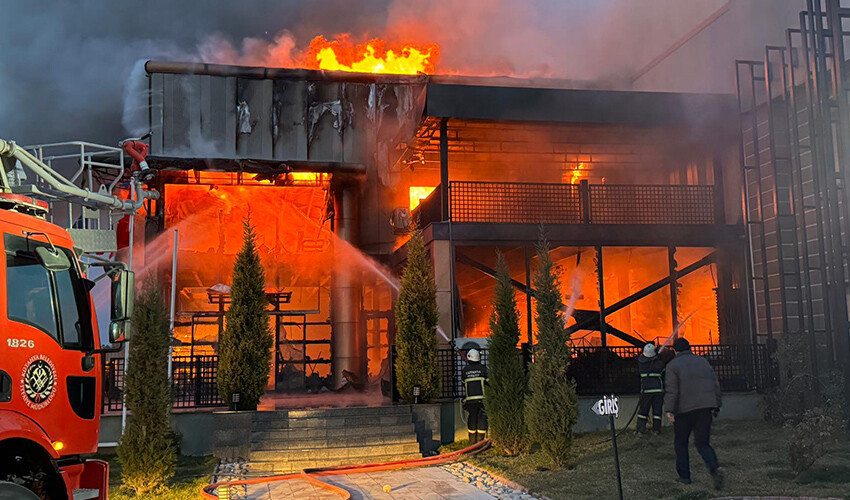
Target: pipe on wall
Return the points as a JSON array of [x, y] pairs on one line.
[[348, 340]]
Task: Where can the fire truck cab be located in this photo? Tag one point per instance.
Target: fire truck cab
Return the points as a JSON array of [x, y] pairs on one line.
[[50, 356], [50, 370]]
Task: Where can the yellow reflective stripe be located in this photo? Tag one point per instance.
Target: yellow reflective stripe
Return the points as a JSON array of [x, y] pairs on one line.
[[468, 398], [650, 374], [643, 417], [650, 391], [475, 379]]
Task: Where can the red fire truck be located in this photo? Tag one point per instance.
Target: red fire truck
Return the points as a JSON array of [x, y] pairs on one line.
[[50, 356]]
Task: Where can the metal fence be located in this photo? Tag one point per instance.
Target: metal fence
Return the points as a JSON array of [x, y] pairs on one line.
[[601, 370], [193, 382], [596, 370], [530, 203], [651, 204]]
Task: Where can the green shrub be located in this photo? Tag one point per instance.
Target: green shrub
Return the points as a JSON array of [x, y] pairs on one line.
[[811, 438], [147, 453], [551, 408], [508, 383], [245, 345], [416, 325], [797, 389]]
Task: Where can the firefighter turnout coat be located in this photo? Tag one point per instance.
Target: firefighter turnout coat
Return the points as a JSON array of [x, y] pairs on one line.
[[474, 379], [651, 374]]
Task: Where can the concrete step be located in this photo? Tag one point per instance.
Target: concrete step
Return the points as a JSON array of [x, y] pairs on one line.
[[286, 435], [332, 421], [335, 453], [355, 411], [333, 442], [284, 467]]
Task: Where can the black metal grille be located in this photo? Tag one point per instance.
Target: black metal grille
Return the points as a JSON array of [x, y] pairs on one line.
[[113, 383], [520, 203], [651, 204], [451, 367], [193, 381], [515, 203], [601, 370]]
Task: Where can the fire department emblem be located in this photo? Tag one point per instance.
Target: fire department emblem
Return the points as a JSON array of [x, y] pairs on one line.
[[38, 382]]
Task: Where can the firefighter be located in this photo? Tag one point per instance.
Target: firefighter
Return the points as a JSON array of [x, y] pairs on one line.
[[474, 381], [651, 367]]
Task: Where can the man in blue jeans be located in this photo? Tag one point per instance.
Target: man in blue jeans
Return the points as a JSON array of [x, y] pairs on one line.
[[692, 400]]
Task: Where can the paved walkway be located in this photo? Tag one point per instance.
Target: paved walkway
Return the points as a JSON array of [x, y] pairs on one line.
[[431, 483]]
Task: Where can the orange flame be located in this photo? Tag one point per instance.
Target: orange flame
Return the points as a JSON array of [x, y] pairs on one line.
[[418, 194], [374, 56]]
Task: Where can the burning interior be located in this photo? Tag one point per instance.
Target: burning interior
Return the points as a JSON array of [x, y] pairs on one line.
[[335, 168]]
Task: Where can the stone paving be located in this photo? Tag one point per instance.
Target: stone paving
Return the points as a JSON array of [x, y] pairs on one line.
[[429, 483], [483, 480]]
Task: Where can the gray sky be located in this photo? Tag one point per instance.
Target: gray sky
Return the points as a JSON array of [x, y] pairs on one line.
[[64, 63]]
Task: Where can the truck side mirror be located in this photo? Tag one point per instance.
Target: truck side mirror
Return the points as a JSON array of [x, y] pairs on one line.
[[123, 293]]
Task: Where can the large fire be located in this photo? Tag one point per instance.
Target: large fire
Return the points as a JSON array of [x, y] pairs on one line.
[[374, 56]]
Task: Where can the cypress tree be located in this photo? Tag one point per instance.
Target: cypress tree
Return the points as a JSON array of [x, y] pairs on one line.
[[147, 451], [245, 345], [416, 325], [551, 408], [508, 382]]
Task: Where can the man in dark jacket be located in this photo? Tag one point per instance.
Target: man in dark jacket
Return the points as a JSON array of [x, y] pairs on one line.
[[692, 400], [651, 368], [474, 381]]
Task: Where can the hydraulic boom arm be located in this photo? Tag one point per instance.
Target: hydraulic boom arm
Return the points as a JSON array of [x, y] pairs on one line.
[[9, 152]]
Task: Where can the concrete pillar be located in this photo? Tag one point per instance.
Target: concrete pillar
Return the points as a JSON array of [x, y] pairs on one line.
[[348, 339]]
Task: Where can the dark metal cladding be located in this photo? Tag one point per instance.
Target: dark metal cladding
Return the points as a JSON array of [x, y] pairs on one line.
[[254, 165], [579, 106]]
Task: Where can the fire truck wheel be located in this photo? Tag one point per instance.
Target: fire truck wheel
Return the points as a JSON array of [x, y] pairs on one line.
[[26, 464], [12, 491]]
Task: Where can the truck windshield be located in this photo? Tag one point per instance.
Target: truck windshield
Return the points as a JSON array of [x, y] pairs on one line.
[[54, 302]]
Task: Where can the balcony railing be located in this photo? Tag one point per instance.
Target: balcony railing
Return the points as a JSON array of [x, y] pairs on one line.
[[528, 203]]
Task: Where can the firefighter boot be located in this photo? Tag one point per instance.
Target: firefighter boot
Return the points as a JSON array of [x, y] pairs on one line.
[[473, 436], [656, 425], [641, 424]]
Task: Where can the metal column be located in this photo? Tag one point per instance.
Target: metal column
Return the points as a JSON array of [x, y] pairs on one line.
[[348, 341]]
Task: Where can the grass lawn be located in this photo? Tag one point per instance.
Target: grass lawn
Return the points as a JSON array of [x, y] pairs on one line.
[[752, 453], [192, 474]]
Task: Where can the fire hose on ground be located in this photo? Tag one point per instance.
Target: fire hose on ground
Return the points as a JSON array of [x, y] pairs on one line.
[[312, 475]]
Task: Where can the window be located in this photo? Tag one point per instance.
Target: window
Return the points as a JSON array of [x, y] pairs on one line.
[[68, 310], [29, 294], [53, 302]]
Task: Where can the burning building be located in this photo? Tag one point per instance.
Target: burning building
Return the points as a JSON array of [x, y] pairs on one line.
[[637, 192]]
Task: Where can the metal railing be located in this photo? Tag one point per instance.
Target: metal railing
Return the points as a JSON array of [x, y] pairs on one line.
[[596, 370], [529, 203], [193, 382], [601, 370], [641, 204], [515, 203]]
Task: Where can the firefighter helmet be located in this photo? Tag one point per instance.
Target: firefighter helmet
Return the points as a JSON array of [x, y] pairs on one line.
[[649, 350], [473, 355]]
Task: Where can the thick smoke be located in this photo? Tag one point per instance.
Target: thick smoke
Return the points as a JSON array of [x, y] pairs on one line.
[[65, 65]]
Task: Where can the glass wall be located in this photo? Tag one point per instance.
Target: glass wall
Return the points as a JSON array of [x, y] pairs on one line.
[[641, 304]]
